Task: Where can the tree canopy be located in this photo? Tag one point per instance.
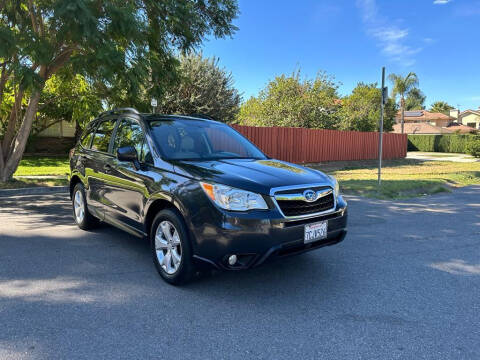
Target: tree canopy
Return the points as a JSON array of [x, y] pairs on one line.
[[293, 101], [441, 107], [67, 97], [361, 110], [129, 47], [204, 88], [415, 99]]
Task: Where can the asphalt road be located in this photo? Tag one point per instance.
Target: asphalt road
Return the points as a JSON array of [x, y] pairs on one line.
[[405, 284]]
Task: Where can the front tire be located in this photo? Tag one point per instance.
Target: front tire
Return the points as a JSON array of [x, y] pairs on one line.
[[171, 247], [82, 216]]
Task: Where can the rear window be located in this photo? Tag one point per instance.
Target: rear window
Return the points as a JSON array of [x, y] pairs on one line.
[[101, 139]]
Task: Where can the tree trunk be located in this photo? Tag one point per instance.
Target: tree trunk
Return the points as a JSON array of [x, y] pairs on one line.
[[78, 131], [12, 157], [402, 105]]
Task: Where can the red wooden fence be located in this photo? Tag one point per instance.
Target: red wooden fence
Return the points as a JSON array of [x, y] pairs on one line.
[[300, 145]]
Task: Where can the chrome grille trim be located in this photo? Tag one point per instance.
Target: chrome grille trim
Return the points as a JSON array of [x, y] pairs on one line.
[[300, 196]]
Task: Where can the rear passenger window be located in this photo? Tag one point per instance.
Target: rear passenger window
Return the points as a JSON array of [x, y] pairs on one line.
[[102, 136], [87, 140]]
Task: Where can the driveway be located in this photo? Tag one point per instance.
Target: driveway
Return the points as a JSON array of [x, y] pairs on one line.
[[405, 284], [437, 156]]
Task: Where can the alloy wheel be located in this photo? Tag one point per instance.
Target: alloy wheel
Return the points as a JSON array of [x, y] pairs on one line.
[[79, 207], [168, 247]]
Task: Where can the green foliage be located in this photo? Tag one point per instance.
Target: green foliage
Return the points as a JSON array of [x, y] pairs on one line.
[[126, 49], [441, 143], [361, 110], [402, 85], [203, 88], [415, 100], [119, 43], [291, 101], [441, 107], [67, 97], [473, 147]]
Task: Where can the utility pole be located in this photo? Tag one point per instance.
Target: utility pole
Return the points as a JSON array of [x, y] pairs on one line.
[[380, 133]]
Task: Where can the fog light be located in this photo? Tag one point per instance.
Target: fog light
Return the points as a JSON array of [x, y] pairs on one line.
[[232, 260]]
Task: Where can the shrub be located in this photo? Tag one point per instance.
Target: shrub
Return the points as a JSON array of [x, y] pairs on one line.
[[441, 143], [473, 148]]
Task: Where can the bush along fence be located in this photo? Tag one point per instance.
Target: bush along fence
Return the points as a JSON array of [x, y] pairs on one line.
[[300, 145], [443, 143]]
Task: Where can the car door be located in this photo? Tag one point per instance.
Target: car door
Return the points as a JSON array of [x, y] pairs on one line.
[[97, 164], [127, 187]]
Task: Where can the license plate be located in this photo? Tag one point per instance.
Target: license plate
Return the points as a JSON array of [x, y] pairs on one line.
[[316, 231]]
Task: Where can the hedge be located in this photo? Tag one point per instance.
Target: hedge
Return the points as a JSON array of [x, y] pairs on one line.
[[441, 143]]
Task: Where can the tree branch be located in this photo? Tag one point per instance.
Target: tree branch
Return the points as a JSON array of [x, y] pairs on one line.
[[3, 80], [58, 62], [33, 16]]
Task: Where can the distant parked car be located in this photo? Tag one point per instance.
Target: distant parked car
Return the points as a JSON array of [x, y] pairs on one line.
[[202, 193]]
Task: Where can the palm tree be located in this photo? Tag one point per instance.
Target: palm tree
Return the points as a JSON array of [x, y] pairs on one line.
[[401, 87], [441, 107]]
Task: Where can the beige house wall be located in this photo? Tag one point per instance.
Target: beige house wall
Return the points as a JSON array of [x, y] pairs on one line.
[[61, 129], [471, 119]]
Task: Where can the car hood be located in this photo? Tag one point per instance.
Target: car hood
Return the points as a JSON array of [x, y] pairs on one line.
[[253, 175]]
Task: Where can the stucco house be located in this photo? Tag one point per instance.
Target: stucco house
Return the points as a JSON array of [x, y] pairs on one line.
[[56, 139], [424, 116], [62, 129], [470, 118], [421, 128]]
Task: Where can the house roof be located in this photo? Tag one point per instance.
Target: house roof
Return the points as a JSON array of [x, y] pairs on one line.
[[463, 129], [420, 128], [423, 115], [476, 112]]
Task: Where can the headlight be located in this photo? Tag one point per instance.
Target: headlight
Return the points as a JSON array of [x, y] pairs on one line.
[[229, 198], [336, 186]]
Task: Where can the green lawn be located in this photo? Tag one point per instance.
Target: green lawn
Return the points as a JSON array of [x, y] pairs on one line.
[[40, 165], [402, 178]]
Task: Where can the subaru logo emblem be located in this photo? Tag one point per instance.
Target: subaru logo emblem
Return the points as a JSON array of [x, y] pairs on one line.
[[310, 195]]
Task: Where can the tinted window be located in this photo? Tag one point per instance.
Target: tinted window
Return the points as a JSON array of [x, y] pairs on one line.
[[86, 140], [203, 140], [102, 136], [130, 133]]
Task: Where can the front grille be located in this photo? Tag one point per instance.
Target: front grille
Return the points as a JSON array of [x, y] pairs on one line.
[[300, 207]]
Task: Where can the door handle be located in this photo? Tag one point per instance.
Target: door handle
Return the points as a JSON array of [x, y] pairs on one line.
[[107, 168]]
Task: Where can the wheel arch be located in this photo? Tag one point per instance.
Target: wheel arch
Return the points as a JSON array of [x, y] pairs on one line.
[[74, 180], [157, 205]]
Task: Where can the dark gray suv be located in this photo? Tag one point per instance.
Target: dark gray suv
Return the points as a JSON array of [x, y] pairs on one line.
[[202, 193]]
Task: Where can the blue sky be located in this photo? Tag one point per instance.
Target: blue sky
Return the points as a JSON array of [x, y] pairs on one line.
[[353, 39]]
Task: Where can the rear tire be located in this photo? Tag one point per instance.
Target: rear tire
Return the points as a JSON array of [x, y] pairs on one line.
[[82, 216], [171, 247]]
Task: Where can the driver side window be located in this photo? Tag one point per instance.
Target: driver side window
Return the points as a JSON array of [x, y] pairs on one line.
[[130, 133]]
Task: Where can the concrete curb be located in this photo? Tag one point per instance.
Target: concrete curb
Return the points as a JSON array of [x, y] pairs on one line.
[[41, 190]]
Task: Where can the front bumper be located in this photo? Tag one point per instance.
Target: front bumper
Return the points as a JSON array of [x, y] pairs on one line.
[[259, 236]]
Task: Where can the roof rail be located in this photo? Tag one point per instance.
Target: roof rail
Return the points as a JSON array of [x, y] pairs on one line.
[[118, 111], [201, 116]]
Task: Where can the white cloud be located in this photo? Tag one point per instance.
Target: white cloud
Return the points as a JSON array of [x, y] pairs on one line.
[[441, 2], [391, 39]]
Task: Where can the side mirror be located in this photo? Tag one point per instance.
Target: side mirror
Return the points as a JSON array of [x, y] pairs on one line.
[[128, 153]]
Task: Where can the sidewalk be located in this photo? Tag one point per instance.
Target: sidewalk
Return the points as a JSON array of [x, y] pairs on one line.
[[437, 156]]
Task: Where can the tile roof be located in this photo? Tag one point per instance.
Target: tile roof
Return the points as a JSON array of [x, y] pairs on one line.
[[476, 112], [422, 115], [463, 129], [420, 128]]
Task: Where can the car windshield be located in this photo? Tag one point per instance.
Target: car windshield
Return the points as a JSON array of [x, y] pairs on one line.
[[201, 140]]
